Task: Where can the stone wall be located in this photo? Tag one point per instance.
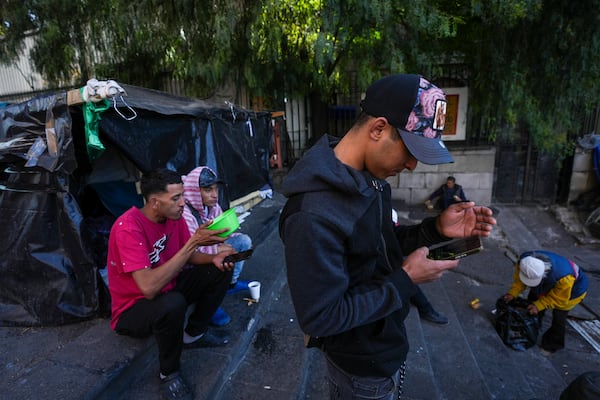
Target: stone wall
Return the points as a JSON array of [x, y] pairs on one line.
[[472, 168], [583, 176]]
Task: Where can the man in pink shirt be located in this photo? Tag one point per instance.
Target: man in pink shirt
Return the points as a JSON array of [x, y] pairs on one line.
[[155, 273]]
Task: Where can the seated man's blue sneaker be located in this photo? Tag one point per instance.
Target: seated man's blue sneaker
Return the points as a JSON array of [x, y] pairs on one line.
[[220, 318], [239, 286]]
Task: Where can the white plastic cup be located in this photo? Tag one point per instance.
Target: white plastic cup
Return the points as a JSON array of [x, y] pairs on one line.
[[254, 287]]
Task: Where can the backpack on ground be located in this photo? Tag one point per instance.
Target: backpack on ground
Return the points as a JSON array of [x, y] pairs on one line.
[[516, 327]]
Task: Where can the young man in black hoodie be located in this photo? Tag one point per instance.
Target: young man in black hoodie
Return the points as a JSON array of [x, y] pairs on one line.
[[350, 272]]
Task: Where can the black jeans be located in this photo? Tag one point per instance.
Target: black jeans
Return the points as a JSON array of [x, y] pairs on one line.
[[420, 301], [164, 315], [554, 338]]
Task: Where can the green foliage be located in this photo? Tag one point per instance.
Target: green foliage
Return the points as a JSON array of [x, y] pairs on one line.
[[533, 65], [320, 46], [15, 21], [138, 42], [537, 71]]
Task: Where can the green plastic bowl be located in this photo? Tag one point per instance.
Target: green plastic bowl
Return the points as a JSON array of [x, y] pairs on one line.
[[227, 220]]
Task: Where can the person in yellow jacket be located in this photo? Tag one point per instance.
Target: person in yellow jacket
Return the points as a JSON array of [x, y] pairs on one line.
[[555, 283]]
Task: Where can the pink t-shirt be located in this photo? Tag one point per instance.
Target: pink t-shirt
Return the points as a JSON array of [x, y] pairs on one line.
[[135, 243]]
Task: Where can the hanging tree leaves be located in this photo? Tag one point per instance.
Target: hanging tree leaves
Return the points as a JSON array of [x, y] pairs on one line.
[[532, 64], [534, 68]]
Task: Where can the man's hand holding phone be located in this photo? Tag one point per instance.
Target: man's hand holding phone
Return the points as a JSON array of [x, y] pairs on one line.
[[235, 257], [219, 260], [225, 260], [456, 248], [428, 264], [421, 269]]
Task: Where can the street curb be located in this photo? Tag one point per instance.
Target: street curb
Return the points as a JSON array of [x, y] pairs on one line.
[[237, 355]]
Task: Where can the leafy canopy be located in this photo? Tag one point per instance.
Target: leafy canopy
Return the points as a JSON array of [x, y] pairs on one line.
[[531, 65]]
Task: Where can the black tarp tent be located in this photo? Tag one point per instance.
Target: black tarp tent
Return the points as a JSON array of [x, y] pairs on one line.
[[56, 207]]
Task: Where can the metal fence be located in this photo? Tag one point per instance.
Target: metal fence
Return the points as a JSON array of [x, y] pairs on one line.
[[591, 124]]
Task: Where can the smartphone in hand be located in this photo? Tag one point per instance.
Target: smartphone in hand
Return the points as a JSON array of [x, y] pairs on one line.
[[242, 255], [455, 248]]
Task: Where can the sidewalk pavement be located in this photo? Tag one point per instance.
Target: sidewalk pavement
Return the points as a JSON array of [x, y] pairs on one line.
[[466, 357], [87, 360]]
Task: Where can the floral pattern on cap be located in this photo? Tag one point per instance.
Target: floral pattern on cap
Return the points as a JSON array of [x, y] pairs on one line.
[[421, 120]]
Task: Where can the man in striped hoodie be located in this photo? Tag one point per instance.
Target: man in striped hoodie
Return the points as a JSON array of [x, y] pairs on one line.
[[201, 192]]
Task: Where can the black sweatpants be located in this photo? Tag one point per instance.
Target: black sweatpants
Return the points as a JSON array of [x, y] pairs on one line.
[[164, 315]]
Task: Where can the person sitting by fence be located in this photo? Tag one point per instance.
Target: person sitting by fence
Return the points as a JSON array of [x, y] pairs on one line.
[[449, 193]]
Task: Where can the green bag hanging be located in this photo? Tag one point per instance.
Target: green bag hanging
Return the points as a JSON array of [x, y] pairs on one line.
[[91, 116]]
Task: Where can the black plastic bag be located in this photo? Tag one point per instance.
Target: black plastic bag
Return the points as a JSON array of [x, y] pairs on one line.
[[585, 387], [516, 327], [48, 275]]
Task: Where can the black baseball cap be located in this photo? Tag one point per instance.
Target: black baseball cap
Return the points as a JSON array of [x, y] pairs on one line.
[[208, 177], [417, 109]]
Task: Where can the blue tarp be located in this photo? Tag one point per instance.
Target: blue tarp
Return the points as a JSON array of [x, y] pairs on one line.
[[596, 160]]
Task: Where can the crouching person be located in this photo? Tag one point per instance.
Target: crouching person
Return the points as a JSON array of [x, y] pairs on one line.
[[555, 283], [155, 272]]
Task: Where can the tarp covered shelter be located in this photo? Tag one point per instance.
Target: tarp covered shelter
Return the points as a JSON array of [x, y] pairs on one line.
[[58, 201]]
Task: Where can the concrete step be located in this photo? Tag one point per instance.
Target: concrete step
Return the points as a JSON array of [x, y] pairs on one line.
[[505, 373], [276, 364], [465, 359], [419, 383], [455, 370]]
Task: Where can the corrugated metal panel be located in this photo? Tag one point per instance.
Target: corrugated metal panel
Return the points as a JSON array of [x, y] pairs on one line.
[[19, 77]]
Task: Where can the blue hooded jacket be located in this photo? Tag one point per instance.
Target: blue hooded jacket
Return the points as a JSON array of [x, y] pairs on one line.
[[561, 267]]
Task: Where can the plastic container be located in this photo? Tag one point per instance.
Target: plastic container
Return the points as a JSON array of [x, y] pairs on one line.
[[227, 220]]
